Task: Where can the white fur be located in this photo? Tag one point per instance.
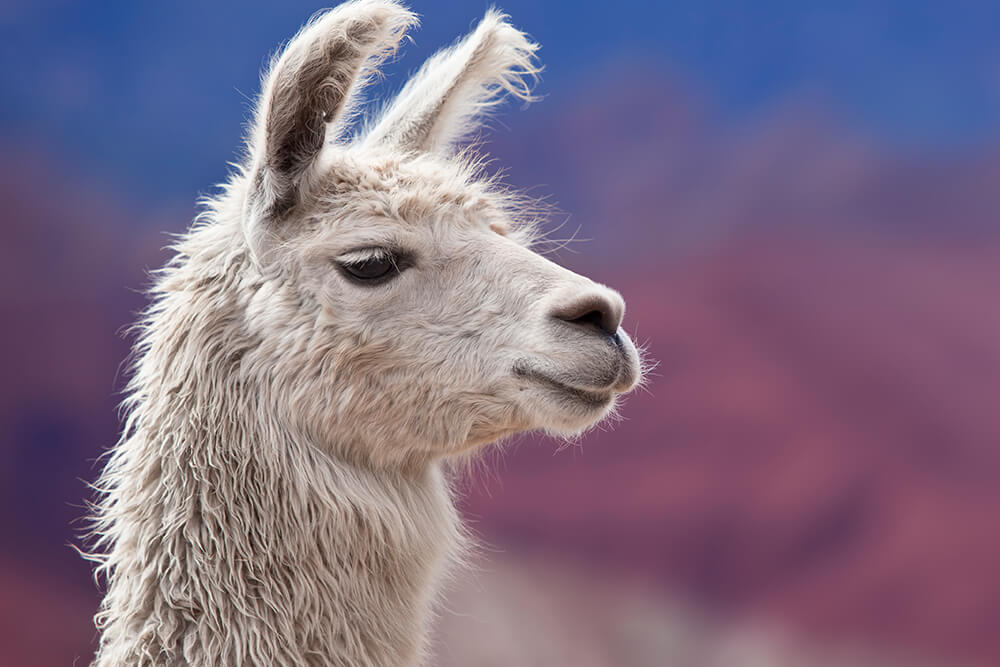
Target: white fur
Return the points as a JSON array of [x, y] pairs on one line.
[[277, 496], [442, 103]]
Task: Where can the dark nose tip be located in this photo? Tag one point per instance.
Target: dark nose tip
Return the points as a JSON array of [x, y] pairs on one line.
[[596, 312]]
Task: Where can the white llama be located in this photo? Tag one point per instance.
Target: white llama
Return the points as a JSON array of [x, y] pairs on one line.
[[346, 316]]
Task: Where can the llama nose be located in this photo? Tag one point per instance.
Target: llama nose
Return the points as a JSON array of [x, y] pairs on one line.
[[598, 312]]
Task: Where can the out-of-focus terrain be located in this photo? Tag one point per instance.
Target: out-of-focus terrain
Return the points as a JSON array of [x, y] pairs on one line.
[[536, 612], [811, 478]]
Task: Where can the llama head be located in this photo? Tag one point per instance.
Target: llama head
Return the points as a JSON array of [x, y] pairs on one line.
[[407, 316]]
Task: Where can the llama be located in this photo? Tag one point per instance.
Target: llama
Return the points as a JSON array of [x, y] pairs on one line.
[[348, 315]]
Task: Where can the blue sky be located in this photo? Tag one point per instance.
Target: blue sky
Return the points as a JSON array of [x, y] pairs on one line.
[[107, 85]]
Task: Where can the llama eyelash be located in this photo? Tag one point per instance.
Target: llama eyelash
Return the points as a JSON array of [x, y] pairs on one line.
[[361, 255]]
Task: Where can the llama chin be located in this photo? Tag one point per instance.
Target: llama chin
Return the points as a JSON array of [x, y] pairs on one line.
[[354, 309]]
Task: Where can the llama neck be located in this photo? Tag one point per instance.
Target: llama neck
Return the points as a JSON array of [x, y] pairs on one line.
[[238, 560], [231, 540]]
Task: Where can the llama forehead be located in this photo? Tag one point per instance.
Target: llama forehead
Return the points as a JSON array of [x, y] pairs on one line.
[[411, 193]]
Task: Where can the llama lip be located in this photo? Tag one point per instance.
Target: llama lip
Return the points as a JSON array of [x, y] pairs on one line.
[[630, 371], [596, 399]]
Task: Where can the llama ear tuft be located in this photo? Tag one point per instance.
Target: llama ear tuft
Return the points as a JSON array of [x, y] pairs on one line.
[[307, 94], [445, 101]]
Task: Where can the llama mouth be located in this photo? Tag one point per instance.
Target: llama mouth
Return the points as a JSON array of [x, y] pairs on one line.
[[589, 397]]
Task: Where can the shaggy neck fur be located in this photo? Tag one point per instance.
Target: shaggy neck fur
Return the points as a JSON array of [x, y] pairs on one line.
[[233, 539]]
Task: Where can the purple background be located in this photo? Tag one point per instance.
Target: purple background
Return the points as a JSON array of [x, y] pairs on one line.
[[799, 202]]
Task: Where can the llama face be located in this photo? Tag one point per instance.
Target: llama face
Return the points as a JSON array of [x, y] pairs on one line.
[[429, 323], [440, 329]]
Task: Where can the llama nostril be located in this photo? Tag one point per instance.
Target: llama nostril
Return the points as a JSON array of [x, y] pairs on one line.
[[592, 318], [595, 312]]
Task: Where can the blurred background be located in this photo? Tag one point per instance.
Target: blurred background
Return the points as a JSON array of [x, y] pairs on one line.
[[800, 203]]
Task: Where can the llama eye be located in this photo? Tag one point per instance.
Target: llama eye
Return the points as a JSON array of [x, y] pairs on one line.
[[371, 270]]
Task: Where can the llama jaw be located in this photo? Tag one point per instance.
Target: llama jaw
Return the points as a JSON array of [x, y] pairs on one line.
[[578, 391], [618, 374], [599, 399]]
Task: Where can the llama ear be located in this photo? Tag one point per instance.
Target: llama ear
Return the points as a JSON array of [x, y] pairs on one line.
[[445, 101], [307, 93]]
